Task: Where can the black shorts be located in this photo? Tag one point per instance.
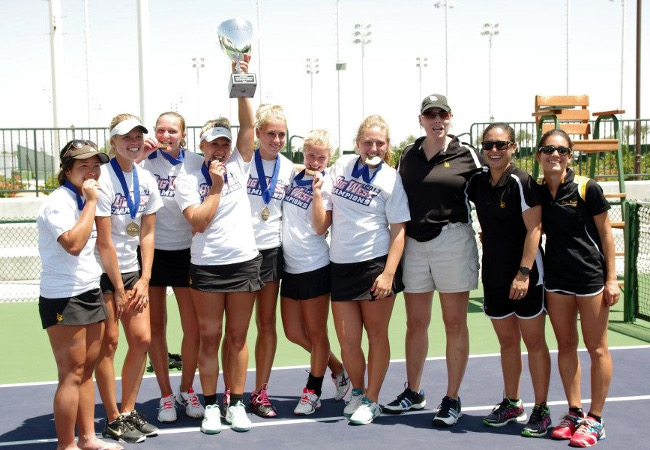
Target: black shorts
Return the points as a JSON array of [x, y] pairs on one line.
[[128, 279], [353, 281], [169, 268], [238, 277], [272, 264], [307, 285], [79, 310], [497, 305]]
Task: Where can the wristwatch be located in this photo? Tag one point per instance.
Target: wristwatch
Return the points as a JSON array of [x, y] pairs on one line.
[[525, 271]]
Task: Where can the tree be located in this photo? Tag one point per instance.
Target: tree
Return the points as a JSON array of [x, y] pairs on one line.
[[399, 148]]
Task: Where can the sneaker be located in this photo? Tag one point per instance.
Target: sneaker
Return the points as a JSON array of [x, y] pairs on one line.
[[540, 420], [448, 412], [193, 407], [167, 410], [567, 426], [406, 401], [211, 423], [308, 404], [122, 431], [261, 405], [341, 384], [225, 403], [353, 404], [140, 423], [589, 432], [366, 412], [506, 412], [236, 416]]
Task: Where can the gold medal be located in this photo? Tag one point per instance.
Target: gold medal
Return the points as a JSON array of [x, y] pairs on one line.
[[266, 213], [133, 229]]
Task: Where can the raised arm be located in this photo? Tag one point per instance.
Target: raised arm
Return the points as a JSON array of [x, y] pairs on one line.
[[74, 240], [246, 133]]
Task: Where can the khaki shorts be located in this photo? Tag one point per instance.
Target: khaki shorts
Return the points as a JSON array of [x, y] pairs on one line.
[[447, 263]]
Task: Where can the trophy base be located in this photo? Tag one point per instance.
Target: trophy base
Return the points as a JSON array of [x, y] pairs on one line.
[[242, 85]]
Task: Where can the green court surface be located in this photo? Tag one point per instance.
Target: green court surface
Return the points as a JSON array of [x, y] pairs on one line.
[[27, 357]]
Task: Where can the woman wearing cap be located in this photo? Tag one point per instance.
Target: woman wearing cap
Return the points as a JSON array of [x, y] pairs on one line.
[[70, 303], [225, 262], [580, 278], [368, 212], [509, 210], [270, 176], [171, 265], [126, 218], [440, 253], [306, 282]]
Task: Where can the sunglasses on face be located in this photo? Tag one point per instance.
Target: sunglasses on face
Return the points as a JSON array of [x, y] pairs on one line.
[[500, 145], [444, 115], [549, 150], [77, 144]]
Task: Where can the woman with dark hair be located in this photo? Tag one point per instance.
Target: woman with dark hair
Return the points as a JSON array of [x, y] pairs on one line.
[[580, 278], [70, 303], [508, 208]]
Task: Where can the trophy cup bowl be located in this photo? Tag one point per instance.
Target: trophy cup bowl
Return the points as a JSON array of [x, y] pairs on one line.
[[235, 37]]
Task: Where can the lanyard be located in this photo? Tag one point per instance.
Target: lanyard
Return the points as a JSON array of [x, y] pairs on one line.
[[364, 171], [81, 202], [267, 191], [131, 203]]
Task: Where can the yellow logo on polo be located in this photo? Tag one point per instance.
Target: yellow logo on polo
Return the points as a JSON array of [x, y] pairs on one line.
[[446, 164], [502, 204], [59, 317]]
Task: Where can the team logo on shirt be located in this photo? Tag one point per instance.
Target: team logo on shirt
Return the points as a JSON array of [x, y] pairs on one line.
[[354, 191], [253, 187], [167, 185], [301, 196], [231, 185], [119, 206]]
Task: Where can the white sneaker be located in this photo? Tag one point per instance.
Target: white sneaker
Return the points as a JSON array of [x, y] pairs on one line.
[[236, 416], [211, 423], [341, 384], [308, 404], [190, 401], [366, 413], [166, 409], [353, 403]]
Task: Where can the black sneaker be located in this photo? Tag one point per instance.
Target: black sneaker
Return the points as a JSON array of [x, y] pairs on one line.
[[261, 405], [406, 401], [448, 412], [140, 423], [540, 420], [122, 431]]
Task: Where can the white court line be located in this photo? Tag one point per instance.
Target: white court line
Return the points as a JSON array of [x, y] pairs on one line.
[[281, 422]]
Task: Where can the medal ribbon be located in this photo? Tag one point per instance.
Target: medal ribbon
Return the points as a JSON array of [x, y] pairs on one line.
[[364, 171], [267, 191], [206, 174], [173, 161], [81, 202], [298, 179], [132, 203]]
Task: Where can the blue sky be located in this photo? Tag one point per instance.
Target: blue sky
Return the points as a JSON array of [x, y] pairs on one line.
[[528, 58]]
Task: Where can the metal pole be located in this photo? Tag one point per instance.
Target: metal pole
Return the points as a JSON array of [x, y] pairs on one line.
[[87, 35], [259, 50], [339, 67], [55, 44], [143, 54], [446, 52], [637, 131], [567, 46], [622, 50]]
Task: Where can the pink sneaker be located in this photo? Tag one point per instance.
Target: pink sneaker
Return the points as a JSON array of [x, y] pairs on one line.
[[567, 426], [261, 405]]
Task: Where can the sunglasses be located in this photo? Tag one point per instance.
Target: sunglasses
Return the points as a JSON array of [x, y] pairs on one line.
[[500, 145], [77, 144], [444, 115], [549, 150]]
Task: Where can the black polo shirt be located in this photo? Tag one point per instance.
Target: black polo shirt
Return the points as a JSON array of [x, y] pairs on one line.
[[437, 188], [573, 260], [503, 232]]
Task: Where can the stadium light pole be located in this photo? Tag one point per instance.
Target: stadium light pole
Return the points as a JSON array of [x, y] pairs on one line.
[[198, 63], [362, 36], [620, 105], [312, 69], [490, 30], [420, 63], [448, 4]]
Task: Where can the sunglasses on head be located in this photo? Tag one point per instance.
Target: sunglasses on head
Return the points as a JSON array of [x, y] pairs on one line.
[[431, 114], [77, 144], [549, 150], [500, 145]]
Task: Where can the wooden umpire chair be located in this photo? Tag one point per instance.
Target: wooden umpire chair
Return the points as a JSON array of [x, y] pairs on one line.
[[571, 114]]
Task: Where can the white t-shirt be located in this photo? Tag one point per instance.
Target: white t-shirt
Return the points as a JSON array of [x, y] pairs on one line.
[[229, 238], [112, 202], [173, 232], [362, 211], [268, 233], [64, 275], [303, 249]]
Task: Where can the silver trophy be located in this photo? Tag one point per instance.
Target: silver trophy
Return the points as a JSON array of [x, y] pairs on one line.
[[235, 37]]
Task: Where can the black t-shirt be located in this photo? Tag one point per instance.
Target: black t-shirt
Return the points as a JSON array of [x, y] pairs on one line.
[[437, 188], [503, 232], [573, 258]]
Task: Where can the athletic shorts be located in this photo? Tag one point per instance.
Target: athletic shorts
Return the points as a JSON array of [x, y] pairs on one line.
[[237, 277], [448, 263], [128, 279], [353, 281], [169, 268], [586, 291], [272, 267], [306, 285], [497, 305], [82, 309]]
